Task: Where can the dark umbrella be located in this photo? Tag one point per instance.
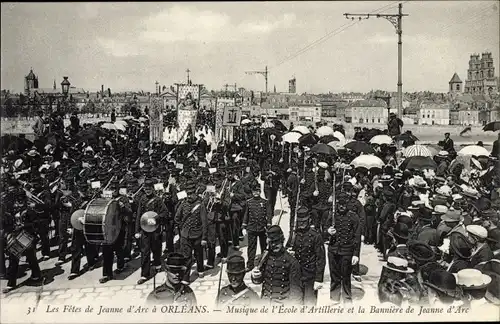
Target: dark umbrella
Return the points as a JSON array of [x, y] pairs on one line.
[[419, 163], [308, 139], [405, 137], [328, 138], [360, 147], [322, 148], [279, 125], [273, 131], [493, 126]]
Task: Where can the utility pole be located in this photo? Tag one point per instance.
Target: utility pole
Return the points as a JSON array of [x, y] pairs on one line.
[[397, 21], [265, 73], [157, 89], [187, 71]]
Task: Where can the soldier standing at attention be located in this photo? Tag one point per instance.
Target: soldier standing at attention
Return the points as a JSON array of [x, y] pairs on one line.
[[278, 266], [343, 248], [173, 291], [237, 292], [257, 216], [310, 252]]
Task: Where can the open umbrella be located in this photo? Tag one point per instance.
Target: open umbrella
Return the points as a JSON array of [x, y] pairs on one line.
[[340, 136], [405, 137], [301, 129], [108, 126], [419, 163], [120, 127], [121, 122], [381, 139], [278, 124], [328, 139], [324, 131], [336, 145], [291, 137], [308, 139], [245, 121], [493, 126], [434, 149], [360, 147], [267, 125], [473, 150], [417, 150], [322, 148], [367, 161]]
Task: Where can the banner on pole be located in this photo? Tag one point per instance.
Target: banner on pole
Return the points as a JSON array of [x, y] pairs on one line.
[[232, 116], [155, 119], [188, 100]]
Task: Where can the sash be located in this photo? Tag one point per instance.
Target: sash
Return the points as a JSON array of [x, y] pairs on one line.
[[236, 297]]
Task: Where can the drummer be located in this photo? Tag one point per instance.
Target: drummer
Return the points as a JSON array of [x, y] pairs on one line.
[[108, 250], [25, 218]]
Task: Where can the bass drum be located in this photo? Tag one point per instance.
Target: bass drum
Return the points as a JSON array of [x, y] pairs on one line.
[[18, 243], [102, 222]]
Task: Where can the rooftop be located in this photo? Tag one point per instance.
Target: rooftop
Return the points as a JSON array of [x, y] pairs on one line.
[[455, 79]]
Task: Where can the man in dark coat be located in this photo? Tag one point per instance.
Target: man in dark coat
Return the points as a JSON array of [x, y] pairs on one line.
[[265, 273], [343, 248], [256, 218], [394, 125], [173, 291], [237, 292], [448, 144], [309, 250]]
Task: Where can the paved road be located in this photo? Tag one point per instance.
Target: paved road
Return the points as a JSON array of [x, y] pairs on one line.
[[123, 290]]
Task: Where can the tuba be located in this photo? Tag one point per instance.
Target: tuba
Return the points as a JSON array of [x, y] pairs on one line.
[[149, 221]]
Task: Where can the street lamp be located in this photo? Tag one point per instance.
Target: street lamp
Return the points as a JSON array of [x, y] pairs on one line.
[[65, 84]]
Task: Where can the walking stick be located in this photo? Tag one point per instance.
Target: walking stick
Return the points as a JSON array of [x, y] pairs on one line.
[[220, 282]]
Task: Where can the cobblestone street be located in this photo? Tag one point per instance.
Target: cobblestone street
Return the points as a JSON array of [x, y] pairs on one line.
[[124, 291]]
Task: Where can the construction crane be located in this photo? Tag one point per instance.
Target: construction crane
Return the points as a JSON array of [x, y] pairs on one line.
[[264, 73]]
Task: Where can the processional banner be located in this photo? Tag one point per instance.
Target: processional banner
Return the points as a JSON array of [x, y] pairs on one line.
[[188, 100], [155, 119]]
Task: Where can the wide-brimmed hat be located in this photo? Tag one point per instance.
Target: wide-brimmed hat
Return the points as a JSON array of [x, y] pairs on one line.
[[444, 191], [416, 204], [398, 265], [176, 261], [493, 291], [421, 251], [472, 279], [235, 264], [477, 230], [443, 281], [494, 235], [452, 216], [460, 245], [443, 154], [440, 210], [275, 233], [489, 267]]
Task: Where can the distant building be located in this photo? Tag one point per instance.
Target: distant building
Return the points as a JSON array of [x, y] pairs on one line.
[[432, 113], [366, 112], [305, 113], [481, 75], [30, 83], [292, 86], [455, 84], [331, 107]]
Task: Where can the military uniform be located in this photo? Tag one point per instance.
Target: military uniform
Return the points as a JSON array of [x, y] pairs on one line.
[[241, 295], [281, 274], [191, 217], [343, 245], [310, 252], [257, 216]]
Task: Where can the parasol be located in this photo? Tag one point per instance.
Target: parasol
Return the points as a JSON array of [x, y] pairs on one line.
[[279, 125], [121, 122], [291, 137], [405, 137], [367, 161], [340, 136], [493, 126], [267, 125], [324, 131], [417, 150], [322, 148], [308, 139], [381, 139], [474, 150], [419, 163], [301, 129], [108, 126], [246, 121], [360, 147], [328, 138]]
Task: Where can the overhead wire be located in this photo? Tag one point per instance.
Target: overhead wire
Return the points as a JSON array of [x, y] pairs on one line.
[[333, 33]]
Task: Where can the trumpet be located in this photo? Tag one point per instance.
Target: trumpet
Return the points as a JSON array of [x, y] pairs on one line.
[[214, 199]]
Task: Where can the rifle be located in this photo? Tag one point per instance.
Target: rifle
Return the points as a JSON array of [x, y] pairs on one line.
[[294, 230]]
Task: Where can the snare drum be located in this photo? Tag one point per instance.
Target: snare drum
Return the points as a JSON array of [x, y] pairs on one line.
[[102, 222], [18, 243]]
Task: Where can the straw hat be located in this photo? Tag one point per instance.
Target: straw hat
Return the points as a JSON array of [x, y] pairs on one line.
[[472, 279]]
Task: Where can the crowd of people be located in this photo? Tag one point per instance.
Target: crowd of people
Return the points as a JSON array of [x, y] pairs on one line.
[[433, 218]]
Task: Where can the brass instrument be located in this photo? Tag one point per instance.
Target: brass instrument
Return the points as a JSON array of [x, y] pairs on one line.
[[217, 197], [138, 190]]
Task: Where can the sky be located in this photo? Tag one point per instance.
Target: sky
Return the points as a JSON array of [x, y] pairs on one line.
[[130, 46]]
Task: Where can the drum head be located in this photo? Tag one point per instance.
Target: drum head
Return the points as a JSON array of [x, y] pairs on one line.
[[75, 219], [112, 222]]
